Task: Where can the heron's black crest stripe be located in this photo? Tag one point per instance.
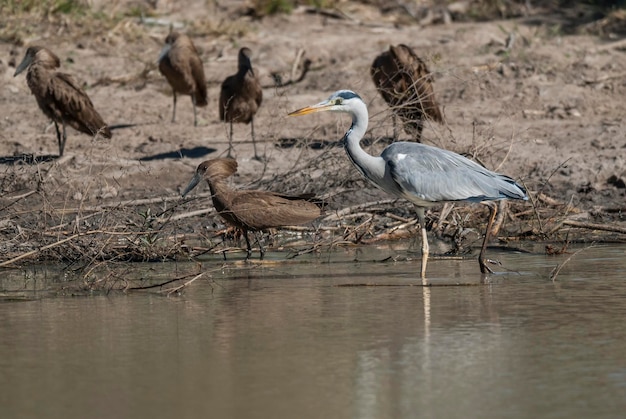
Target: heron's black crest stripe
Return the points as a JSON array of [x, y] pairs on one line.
[[348, 94]]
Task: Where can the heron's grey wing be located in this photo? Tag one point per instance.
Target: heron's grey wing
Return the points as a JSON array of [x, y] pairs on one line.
[[428, 174]]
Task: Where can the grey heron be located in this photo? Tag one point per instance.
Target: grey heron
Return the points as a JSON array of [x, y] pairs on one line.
[[422, 174]]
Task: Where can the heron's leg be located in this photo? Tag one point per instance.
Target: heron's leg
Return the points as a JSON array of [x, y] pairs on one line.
[[248, 247], [230, 139], [421, 217], [256, 156], [425, 251], [195, 116], [481, 258], [174, 106]]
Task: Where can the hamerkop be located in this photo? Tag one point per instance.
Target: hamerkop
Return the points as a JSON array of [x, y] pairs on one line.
[[59, 96], [240, 98], [405, 83], [181, 65], [252, 210]]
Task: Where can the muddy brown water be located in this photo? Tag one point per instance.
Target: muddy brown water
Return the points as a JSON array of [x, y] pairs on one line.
[[337, 336]]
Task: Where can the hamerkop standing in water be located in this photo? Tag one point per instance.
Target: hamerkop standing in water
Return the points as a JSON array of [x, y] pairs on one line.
[[252, 210], [181, 65], [405, 83], [59, 96], [240, 98]]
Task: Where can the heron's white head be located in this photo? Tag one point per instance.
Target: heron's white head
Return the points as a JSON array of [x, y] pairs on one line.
[[340, 101]]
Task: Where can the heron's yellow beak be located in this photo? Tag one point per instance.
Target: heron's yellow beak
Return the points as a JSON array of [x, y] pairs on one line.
[[320, 107]]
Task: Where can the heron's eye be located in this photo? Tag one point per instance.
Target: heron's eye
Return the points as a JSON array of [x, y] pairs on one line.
[[338, 101]]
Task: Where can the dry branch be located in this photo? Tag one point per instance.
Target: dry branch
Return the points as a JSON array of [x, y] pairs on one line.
[[594, 226], [555, 271], [360, 207]]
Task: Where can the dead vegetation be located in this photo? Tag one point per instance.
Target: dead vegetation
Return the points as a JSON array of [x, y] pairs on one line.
[[93, 242], [94, 232]]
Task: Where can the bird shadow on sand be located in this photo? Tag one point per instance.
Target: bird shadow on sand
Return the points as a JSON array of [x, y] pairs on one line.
[[28, 159], [322, 144], [192, 153]]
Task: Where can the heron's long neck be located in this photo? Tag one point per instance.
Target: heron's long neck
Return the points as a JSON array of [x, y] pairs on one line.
[[372, 168]]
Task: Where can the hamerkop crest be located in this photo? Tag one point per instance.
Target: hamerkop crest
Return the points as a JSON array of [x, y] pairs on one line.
[[252, 210], [405, 83], [181, 65], [59, 96], [240, 97]]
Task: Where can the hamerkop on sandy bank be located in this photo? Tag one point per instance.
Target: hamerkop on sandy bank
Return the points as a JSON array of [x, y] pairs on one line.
[[181, 65], [405, 83], [240, 97], [252, 210], [59, 96]]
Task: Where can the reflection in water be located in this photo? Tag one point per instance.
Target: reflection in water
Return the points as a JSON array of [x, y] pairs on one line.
[[292, 340]]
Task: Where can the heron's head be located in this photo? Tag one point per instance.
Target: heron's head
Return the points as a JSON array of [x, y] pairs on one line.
[[340, 101]]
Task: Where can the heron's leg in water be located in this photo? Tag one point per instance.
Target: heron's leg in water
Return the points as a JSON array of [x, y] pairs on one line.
[[174, 107], [230, 139], [481, 258], [195, 116], [421, 217]]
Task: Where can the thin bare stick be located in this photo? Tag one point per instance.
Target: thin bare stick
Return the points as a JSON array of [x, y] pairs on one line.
[[192, 214], [594, 226], [558, 268], [49, 246], [170, 291], [506, 156], [360, 207], [65, 240]]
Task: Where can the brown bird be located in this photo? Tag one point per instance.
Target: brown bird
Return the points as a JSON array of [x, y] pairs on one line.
[[405, 83], [252, 210], [181, 65], [240, 98], [59, 96]]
